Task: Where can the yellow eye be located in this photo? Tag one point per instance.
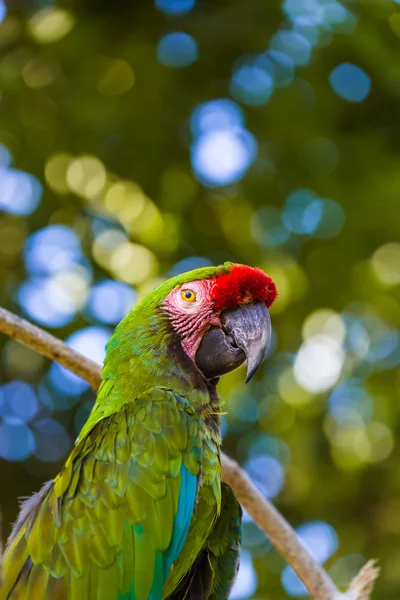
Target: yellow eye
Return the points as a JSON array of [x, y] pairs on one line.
[[188, 296]]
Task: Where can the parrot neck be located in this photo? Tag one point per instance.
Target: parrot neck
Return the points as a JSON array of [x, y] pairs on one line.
[[144, 353]]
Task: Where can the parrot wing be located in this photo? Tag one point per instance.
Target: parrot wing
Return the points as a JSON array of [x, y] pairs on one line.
[[113, 522]]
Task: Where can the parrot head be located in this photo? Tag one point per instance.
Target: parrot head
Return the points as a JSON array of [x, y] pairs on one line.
[[185, 334], [223, 319]]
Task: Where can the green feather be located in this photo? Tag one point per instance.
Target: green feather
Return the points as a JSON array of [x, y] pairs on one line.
[[144, 564]]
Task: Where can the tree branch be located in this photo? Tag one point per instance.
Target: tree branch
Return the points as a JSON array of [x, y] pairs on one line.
[[267, 517]]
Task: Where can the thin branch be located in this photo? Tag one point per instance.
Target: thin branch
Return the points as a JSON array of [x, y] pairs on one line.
[[267, 517]]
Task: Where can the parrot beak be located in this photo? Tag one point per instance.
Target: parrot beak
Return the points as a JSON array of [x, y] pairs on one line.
[[245, 334]]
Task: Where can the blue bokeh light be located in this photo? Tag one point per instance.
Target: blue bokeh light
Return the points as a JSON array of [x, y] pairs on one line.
[[246, 581], [5, 154], [283, 67], [304, 12], [252, 85], [371, 340], [294, 45], [109, 301], [350, 405], [306, 214], [383, 343], [267, 228], [45, 304], [52, 440], [316, 13], [310, 32], [332, 219], [357, 339], [44, 297], [90, 342], [320, 538], [51, 249], [177, 50], [336, 14], [214, 115], [3, 10], [67, 384], [267, 473], [254, 539], [302, 212], [17, 441], [175, 7], [49, 399], [20, 192], [246, 410], [188, 264], [223, 149], [312, 21], [350, 82], [19, 400], [292, 584], [222, 157], [224, 426], [262, 444]]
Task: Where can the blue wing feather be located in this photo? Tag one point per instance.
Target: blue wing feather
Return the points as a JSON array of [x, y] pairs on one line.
[[187, 498]]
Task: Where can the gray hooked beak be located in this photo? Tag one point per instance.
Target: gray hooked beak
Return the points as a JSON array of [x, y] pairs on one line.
[[246, 333]]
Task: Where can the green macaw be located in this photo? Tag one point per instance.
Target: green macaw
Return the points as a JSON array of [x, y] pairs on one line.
[[139, 512]]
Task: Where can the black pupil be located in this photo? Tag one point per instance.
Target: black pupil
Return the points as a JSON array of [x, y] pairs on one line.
[[188, 294]]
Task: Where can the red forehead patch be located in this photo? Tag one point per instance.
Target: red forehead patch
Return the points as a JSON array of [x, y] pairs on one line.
[[242, 285]]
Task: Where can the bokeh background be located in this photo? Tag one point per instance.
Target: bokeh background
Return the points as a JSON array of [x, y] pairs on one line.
[[142, 139]]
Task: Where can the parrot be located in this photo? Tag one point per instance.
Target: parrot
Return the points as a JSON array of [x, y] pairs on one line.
[[139, 511]]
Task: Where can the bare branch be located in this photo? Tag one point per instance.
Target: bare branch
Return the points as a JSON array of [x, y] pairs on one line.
[[267, 517]]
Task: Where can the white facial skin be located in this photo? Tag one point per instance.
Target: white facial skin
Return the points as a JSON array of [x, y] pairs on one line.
[[200, 289], [191, 312]]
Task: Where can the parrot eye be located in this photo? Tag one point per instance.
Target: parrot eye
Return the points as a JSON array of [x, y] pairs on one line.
[[188, 296]]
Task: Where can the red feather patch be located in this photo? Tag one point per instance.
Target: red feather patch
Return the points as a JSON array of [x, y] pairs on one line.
[[242, 285]]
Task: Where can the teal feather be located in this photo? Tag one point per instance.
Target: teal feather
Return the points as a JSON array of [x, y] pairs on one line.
[[129, 596], [187, 497], [159, 578]]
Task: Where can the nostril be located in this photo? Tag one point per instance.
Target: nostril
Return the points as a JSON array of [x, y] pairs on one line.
[[231, 341]]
